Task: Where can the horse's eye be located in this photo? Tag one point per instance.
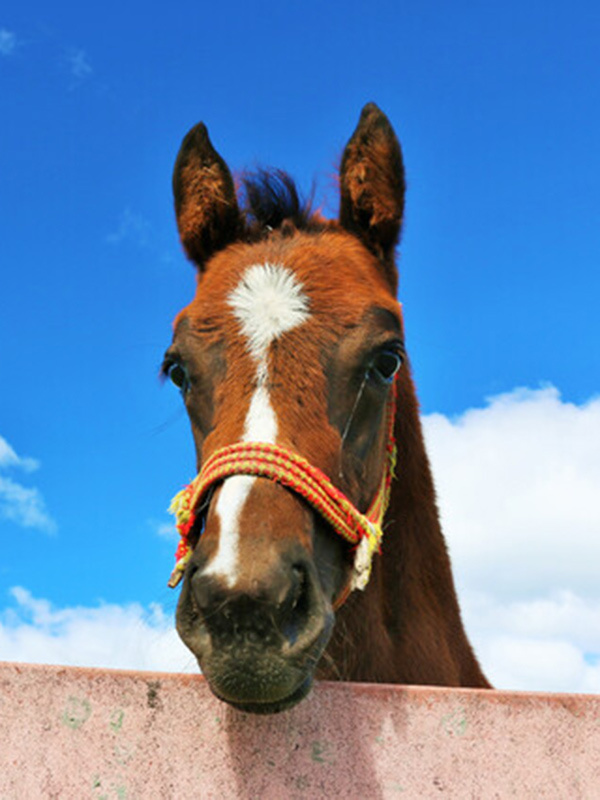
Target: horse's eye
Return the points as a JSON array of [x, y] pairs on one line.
[[178, 376], [384, 366]]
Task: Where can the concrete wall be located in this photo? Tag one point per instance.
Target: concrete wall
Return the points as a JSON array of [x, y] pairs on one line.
[[81, 733]]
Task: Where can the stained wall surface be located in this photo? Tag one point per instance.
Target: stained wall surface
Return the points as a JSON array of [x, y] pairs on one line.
[[80, 733]]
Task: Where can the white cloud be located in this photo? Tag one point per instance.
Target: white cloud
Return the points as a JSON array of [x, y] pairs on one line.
[[8, 42], [519, 489], [167, 530], [518, 484], [549, 643], [108, 635], [8, 458], [79, 64], [24, 506], [132, 227], [21, 504]]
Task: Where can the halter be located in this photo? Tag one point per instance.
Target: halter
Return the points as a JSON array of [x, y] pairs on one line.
[[291, 470]]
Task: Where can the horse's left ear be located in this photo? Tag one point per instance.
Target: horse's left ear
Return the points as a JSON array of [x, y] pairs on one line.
[[206, 207], [372, 187]]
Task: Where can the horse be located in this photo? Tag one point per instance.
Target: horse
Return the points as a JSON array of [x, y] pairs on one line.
[[311, 546]]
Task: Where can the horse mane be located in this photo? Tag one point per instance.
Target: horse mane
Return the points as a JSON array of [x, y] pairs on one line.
[[271, 201]]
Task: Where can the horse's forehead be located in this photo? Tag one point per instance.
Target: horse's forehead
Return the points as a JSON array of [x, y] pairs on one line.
[[326, 278]]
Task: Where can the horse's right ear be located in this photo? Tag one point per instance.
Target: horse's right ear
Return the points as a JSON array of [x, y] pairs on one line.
[[372, 187], [207, 212]]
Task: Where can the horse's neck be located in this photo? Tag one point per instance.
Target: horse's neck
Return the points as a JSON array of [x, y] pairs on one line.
[[406, 627]]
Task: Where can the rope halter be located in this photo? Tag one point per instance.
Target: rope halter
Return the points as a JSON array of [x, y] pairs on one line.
[[363, 531]]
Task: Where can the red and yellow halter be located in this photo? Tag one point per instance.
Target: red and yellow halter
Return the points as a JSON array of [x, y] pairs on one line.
[[291, 470]]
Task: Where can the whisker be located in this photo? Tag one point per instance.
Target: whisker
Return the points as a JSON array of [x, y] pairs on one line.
[[346, 430], [163, 426]]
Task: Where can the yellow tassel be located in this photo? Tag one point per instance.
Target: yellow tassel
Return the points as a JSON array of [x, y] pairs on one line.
[[363, 559], [177, 573]]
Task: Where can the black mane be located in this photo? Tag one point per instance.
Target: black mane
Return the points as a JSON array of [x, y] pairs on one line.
[[271, 201]]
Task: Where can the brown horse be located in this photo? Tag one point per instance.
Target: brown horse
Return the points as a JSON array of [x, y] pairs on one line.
[[295, 339]]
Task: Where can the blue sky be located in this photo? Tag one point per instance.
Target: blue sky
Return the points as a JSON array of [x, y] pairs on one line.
[[497, 106]]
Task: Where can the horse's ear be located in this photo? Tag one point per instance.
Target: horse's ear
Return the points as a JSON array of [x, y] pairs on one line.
[[372, 186], [207, 212]]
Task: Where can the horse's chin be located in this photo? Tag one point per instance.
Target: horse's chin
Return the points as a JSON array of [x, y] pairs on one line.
[[257, 685], [271, 706]]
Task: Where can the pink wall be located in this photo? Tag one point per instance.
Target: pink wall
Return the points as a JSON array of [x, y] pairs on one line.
[[81, 733]]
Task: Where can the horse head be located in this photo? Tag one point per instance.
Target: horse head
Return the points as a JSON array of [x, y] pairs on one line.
[[289, 355]]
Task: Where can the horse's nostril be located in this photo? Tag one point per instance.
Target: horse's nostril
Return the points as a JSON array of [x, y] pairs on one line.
[[297, 586], [202, 591]]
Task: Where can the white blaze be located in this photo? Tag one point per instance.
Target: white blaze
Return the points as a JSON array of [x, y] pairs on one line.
[[267, 302]]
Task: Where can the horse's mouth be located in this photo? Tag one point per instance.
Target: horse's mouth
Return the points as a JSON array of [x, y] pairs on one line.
[[258, 683], [257, 655], [272, 706]]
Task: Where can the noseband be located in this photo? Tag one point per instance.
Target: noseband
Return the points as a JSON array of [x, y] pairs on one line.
[[363, 531]]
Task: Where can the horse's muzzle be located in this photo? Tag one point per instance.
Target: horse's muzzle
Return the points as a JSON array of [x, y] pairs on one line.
[[257, 645]]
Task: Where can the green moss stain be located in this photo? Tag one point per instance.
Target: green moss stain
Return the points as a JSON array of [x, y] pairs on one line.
[[77, 711], [108, 792], [321, 753], [123, 754], [455, 723], [116, 719], [396, 788]]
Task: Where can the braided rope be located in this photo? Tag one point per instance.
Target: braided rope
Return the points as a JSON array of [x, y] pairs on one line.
[[291, 470]]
